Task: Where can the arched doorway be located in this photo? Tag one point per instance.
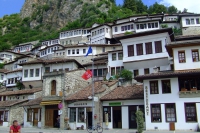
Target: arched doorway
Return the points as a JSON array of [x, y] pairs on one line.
[[53, 87]]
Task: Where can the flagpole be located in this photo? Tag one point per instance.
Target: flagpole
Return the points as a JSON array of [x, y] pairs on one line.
[[92, 90]]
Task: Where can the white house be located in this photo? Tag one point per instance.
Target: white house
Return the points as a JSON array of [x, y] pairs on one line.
[[172, 97], [24, 47], [145, 50]]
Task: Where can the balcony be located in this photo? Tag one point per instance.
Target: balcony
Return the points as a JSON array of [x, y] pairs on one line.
[[192, 93]]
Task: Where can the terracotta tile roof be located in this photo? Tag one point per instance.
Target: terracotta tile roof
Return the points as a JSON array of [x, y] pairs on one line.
[[16, 70], [86, 92], [163, 74], [11, 102], [19, 92], [52, 61], [97, 62], [3, 70], [36, 101], [124, 93]]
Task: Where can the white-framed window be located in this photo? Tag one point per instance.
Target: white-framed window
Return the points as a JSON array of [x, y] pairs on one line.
[[187, 21], [25, 73], [31, 72], [37, 72], [77, 51]]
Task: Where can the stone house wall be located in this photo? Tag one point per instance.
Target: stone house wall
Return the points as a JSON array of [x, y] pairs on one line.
[[195, 30], [16, 113]]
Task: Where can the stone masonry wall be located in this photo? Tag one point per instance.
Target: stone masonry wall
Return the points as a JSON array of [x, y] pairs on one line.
[[16, 113], [191, 30]]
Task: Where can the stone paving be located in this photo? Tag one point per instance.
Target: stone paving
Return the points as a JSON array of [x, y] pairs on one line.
[[37, 130]]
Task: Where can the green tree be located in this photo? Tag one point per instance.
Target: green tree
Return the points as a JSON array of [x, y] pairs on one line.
[[1, 65], [141, 8], [130, 4], [172, 9], [20, 85], [185, 10], [140, 121], [126, 74], [157, 8]]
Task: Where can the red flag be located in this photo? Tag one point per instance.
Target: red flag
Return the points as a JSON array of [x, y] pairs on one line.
[[87, 75]]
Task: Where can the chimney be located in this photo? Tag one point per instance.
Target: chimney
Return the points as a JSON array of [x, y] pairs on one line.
[[155, 69]]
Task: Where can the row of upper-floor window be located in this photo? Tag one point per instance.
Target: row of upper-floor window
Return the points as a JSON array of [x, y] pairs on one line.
[[76, 51], [116, 70], [170, 112], [148, 48], [31, 72], [117, 56], [12, 80], [49, 50], [147, 25], [97, 32], [101, 41], [191, 21], [6, 55], [194, 54], [23, 48], [124, 27], [74, 33], [50, 42], [48, 69]]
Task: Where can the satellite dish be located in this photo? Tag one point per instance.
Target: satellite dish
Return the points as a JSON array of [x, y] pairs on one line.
[[108, 76]]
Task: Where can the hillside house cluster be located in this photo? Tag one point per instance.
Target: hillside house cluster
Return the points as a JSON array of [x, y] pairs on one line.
[[41, 82]]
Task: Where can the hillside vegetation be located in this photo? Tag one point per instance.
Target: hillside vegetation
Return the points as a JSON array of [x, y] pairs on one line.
[[15, 30]]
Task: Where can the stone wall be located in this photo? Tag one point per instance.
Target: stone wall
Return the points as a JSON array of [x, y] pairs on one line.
[[108, 48], [195, 30], [16, 113]]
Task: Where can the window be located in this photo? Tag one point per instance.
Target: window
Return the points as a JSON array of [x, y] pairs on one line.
[[2, 76], [181, 56], [120, 56], [195, 55], [53, 87], [187, 21], [112, 71], [136, 73], [148, 47], [31, 72], [166, 86], [149, 25], [170, 112], [81, 115], [77, 51], [106, 30], [158, 46], [155, 113], [6, 116], [146, 71], [95, 72], [47, 69], [114, 57], [116, 29], [117, 70], [190, 112], [197, 21], [69, 52], [84, 51], [73, 51], [105, 71], [153, 87], [152, 25], [26, 73], [192, 21], [100, 72], [156, 25], [130, 50], [37, 72], [103, 49], [139, 49], [131, 26], [138, 26], [29, 115], [106, 114], [72, 117]]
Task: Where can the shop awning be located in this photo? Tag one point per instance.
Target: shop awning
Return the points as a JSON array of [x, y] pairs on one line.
[[50, 102]]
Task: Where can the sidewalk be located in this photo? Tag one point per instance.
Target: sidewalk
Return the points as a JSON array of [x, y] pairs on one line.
[[37, 130]]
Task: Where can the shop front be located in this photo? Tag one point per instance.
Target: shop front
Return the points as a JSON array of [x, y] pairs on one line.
[[80, 114], [121, 114], [4, 115]]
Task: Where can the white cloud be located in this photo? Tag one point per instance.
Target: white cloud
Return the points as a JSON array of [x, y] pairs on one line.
[[191, 5]]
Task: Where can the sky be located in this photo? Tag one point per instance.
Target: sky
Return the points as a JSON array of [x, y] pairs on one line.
[[8, 7]]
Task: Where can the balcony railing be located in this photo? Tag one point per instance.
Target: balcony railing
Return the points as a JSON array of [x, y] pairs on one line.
[[184, 93]]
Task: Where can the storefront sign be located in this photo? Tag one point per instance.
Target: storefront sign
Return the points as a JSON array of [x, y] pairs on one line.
[[147, 100], [115, 104], [80, 104]]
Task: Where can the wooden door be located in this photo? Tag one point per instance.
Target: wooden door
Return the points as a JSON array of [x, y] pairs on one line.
[[49, 117], [53, 87], [35, 117]]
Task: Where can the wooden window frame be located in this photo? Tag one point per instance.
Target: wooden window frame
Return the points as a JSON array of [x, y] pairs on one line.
[[195, 55], [153, 91], [130, 49], [164, 89], [148, 47], [158, 46], [170, 113], [28, 117], [145, 71], [195, 112], [157, 113], [136, 72], [120, 57], [181, 56], [139, 48]]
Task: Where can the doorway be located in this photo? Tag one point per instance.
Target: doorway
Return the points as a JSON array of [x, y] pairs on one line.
[[51, 115], [89, 116], [117, 117], [35, 117], [132, 117], [2, 117]]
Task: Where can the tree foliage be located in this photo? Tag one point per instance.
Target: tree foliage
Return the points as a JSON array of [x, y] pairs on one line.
[[126, 74], [140, 121], [172, 9]]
